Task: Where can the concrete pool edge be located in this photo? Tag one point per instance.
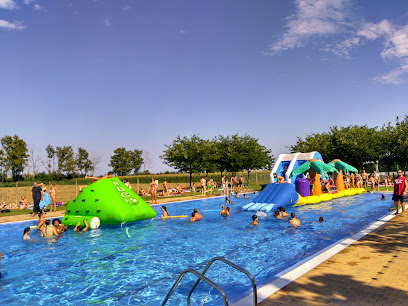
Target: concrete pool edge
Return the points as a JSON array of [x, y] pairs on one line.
[[309, 263]]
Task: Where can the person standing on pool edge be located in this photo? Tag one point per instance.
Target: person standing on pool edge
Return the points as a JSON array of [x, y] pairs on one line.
[[400, 187], [37, 198]]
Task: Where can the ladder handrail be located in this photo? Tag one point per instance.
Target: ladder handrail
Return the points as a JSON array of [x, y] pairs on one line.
[[200, 276], [230, 264]]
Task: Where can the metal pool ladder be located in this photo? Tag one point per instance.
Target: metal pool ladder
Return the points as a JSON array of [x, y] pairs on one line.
[[201, 276]]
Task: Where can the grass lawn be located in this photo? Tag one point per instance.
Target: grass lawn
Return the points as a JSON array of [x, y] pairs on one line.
[[16, 212]]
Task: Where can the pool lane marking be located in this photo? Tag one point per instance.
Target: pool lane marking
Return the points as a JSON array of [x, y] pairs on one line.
[[290, 274]]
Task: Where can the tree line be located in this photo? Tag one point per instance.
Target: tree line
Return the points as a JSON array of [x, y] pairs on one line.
[[360, 145], [186, 154], [220, 154]]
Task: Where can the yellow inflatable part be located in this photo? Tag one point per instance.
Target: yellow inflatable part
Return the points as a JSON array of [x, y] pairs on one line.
[[336, 195], [341, 193], [312, 199], [300, 201], [174, 217], [326, 197]]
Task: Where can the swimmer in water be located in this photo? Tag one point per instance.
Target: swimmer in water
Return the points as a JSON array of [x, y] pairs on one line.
[[79, 228], [60, 228], [193, 217], [321, 219], [47, 230], [383, 197], [27, 231], [222, 212], [197, 215], [245, 196], [294, 221], [282, 212], [227, 200], [164, 210], [236, 194], [225, 212], [277, 215], [254, 220]]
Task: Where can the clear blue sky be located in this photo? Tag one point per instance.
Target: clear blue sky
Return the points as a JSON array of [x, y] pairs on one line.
[[104, 74]]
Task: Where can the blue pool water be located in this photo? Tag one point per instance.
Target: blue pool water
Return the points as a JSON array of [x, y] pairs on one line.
[[106, 266]]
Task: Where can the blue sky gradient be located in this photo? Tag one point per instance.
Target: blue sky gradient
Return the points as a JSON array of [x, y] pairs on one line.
[[135, 74]]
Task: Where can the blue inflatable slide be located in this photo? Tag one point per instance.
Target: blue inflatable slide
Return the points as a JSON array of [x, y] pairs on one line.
[[284, 194]]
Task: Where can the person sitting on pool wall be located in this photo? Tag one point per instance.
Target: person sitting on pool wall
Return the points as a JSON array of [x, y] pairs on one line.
[[164, 210], [197, 215], [254, 220], [79, 228], [400, 187], [294, 221]]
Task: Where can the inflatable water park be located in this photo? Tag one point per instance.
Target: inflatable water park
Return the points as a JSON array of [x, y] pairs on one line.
[[107, 201], [303, 174]]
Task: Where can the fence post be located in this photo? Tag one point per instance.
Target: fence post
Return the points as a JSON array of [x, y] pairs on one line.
[[16, 192], [137, 188], [256, 177], [76, 188]]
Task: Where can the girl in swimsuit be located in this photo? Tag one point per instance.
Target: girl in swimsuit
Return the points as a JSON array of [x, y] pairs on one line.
[[48, 231], [153, 191], [27, 231], [53, 192], [164, 210]]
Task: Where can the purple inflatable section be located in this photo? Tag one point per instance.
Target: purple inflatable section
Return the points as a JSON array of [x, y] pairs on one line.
[[302, 187]]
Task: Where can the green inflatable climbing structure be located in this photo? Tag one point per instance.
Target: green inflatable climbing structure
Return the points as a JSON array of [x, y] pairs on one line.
[[106, 201]]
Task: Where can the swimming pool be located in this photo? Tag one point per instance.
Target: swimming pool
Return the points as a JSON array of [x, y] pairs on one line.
[[106, 266]]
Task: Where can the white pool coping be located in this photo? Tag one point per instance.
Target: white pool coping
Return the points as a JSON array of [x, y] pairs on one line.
[[297, 270]]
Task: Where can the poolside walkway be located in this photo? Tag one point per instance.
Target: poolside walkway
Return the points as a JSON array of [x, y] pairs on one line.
[[372, 271]]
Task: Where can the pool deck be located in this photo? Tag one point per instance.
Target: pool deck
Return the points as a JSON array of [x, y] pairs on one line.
[[372, 271]]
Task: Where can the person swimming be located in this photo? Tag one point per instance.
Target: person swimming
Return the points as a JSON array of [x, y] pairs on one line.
[[321, 219], [383, 197], [197, 215], [79, 228], [47, 230], [277, 215], [245, 196], [227, 200], [41, 220], [164, 210], [27, 231], [294, 221], [226, 212], [193, 217], [282, 211], [60, 228], [254, 220], [223, 210]]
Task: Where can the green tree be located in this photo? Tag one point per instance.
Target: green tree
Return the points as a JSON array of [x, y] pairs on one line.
[[66, 159], [83, 163], [3, 166], [51, 154], [320, 142], [400, 144], [184, 154], [124, 161], [251, 155], [15, 155]]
